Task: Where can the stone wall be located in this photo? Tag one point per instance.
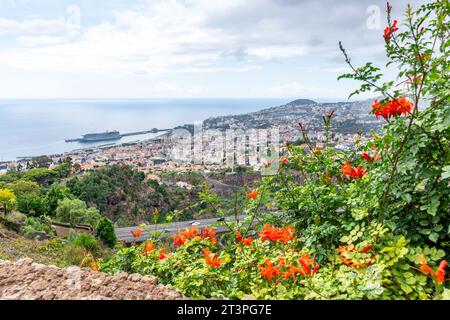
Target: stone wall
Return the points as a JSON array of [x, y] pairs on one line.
[[25, 280]]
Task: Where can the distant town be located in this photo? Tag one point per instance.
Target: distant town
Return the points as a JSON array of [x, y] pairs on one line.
[[351, 121]]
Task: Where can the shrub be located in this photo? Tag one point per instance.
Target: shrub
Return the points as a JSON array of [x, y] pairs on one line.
[[74, 255], [21, 187], [75, 212], [7, 200], [278, 265], [33, 225], [407, 186], [11, 223], [31, 204], [71, 235], [106, 233], [86, 241], [53, 196]]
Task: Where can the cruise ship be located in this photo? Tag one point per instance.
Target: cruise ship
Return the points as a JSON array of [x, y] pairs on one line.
[[96, 137]]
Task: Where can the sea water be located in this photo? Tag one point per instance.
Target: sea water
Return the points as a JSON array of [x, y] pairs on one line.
[[40, 127]]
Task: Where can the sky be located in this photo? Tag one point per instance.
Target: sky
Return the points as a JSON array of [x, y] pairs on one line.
[[71, 49]]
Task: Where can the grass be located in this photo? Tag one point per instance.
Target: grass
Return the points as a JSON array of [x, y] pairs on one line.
[[49, 252], [15, 247]]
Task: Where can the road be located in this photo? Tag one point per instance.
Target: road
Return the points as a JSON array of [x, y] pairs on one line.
[[124, 234]]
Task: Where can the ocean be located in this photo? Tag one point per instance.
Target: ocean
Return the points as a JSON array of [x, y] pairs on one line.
[[40, 127]]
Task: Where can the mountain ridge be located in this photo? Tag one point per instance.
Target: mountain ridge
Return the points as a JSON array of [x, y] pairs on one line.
[[349, 116]]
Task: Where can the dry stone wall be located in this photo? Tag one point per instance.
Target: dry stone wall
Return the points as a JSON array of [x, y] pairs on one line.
[[26, 280]]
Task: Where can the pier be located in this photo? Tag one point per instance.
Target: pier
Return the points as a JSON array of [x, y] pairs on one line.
[[154, 130]]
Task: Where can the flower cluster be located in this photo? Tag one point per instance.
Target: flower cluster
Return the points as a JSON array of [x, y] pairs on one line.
[[136, 234], [370, 158], [253, 195], [90, 262], [439, 275], [269, 271], [162, 254], [247, 241], [214, 262], [392, 108], [184, 236], [284, 161], [389, 31], [209, 233], [350, 172], [150, 247], [192, 233], [347, 255], [273, 234], [306, 268]]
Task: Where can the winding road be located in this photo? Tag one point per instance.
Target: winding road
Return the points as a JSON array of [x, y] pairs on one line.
[[124, 234]]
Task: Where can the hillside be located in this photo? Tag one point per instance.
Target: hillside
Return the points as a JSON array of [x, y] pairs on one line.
[[349, 116]]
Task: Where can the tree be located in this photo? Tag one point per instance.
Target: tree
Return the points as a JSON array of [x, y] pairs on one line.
[[64, 169], [75, 212], [91, 216], [21, 187], [105, 232], [76, 167], [41, 175], [7, 200], [41, 162], [31, 203], [55, 194]]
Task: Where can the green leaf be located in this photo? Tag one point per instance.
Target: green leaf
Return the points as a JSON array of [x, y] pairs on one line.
[[434, 205], [435, 219], [446, 172], [423, 223], [406, 288], [433, 236]]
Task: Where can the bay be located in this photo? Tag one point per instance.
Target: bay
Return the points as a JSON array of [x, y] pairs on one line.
[[40, 127]]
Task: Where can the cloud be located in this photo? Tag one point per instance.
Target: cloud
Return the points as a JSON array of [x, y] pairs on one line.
[[165, 87], [269, 52], [295, 89], [164, 36], [209, 69], [32, 26], [169, 43], [36, 41], [197, 89]]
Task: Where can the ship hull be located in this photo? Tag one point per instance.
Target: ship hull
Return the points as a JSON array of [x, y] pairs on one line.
[[88, 140]]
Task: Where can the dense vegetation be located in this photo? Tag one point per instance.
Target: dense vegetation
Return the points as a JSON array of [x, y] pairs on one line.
[[34, 201], [369, 223]]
